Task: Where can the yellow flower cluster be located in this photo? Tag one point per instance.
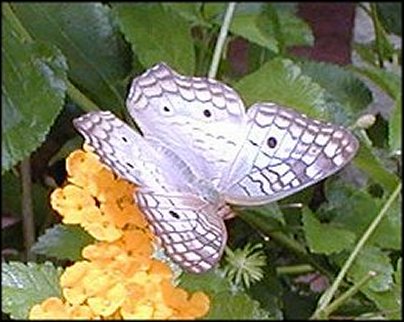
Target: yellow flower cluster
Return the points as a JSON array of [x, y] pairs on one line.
[[118, 278]]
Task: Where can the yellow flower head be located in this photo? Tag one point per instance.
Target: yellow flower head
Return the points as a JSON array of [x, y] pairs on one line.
[[118, 279]]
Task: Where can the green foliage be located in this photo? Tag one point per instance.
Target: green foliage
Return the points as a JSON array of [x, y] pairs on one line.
[[88, 52], [386, 80], [227, 302], [272, 29], [281, 81], [342, 84], [144, 25], [371, 164], [63, 242], [33, 90], [390, 14], [382, 289], [193, 12], [90, 41], [246, 26], [395, 129], [354, 210], [325, 238], [24, 285]]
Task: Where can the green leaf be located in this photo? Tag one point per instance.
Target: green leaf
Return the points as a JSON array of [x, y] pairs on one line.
[[97, 55], [157, 34], [341, 83], [388, 302], [354, 210], [395, 128], [24, 285], [214, 11], [268, 293], [267, 219], [371, 259], [246, 25], [397, 288], [368, 162], [190, 11], [226, 301], [390, 14], [388, 233], [282, 23], [325, 238], [381, 289], [270, 213], [295, 30], [397, 273], [281, 81], [63, 242], [33, 91], [271, 26], [386, 80]]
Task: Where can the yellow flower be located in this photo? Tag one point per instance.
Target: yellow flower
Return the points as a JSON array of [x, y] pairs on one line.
[[100, 228], [51, 308], [196, 305], [109, 301], [81, 167], [73, 203], [137, 242], [118, 278], [137, 311], [82, 312]]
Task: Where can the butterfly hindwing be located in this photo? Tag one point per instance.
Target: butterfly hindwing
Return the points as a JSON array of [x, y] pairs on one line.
[[189, 229], [284, 152]]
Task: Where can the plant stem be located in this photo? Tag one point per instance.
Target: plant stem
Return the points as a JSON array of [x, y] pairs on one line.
[[348, 294], [26, 208], [366, 138], [82, 100], [295, 269], [329, 294], [221, 40], [378, 31]]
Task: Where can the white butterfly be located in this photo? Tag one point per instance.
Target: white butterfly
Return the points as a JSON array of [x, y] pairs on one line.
[[200, 150]]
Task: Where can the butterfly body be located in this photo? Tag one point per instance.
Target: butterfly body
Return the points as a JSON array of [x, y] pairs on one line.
[[200, 150]]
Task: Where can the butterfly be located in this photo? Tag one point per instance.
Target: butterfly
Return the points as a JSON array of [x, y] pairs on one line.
[[201, 151]]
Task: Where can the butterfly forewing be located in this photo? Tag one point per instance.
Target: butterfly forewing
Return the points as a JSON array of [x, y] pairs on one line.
[[121, 148], [189, 229], [201, 119], [284, 152]]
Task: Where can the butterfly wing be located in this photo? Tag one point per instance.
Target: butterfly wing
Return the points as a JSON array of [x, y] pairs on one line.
[[190, 228], [201, 119], [122, 149], [284, 152], [190, 231]]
